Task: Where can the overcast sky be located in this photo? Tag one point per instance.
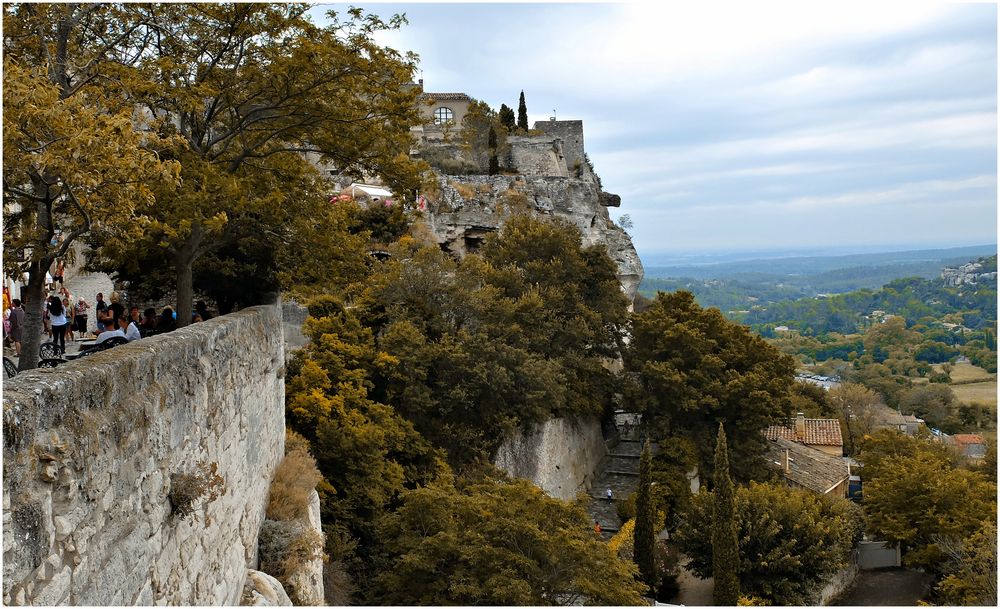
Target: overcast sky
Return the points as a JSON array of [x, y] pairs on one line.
[[752, 125]]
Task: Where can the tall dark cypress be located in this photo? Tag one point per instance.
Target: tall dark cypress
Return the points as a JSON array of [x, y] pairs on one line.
[[522, 113], [645, 515], [494, 167], [725, 545]]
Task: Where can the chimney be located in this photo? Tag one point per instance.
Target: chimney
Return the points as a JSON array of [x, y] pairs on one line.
[[786, 463], [800, 425]]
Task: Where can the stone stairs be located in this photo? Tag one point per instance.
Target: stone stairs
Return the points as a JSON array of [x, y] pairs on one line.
[[619, 471]]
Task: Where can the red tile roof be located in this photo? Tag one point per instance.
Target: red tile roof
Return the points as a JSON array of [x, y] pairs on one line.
[[967, 438], [823, 432]]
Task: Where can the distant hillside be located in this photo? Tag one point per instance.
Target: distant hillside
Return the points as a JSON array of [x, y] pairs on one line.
[[737, 286], [924, 263]]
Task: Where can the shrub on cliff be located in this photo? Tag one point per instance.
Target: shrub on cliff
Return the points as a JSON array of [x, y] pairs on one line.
[[494, 541]]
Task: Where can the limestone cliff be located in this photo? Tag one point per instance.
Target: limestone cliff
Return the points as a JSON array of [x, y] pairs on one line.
[[553, 178], [983, 270]]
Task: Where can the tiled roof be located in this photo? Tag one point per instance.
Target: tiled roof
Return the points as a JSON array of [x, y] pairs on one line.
[[808, 467], [967, 438], [824, 432], [447, 96]]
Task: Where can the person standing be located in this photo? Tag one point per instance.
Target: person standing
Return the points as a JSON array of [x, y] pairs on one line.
[[60, 269], [80, 316], [57, 317], [16, 324], [101, 310], [610, 495], [70, 318]]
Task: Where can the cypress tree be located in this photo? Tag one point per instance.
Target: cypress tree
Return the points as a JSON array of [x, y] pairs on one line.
[[645, 514], [725, 546], [522, 113], [494, 167], [507, 119]]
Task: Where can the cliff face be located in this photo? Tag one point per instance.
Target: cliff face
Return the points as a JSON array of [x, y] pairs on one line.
[[983, 270], [553, 179]]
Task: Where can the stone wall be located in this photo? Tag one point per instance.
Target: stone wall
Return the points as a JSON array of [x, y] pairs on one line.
[[93, 449], [571, 134], [537, 156], [560, 456]]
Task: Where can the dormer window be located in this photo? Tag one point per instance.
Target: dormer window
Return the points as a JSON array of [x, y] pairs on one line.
[[443, 116]]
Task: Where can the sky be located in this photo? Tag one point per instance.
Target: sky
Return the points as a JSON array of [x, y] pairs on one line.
[[749, 126]]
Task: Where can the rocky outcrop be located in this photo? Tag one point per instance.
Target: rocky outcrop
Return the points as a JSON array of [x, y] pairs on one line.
[[262, 590], [554, 179], [139, 475], [470, 207], [983, 270]]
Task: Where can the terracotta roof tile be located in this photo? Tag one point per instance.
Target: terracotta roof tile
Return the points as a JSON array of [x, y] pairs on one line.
[[967, 438], [446, 96], [824, 432]]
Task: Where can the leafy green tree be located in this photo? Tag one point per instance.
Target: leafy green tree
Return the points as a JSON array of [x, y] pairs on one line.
[[75, 163], [507, 119], [688, 369], [513, 336], [251, 89], [364, 449], [725, 547], [522, 113], [934, 403], [790, 540], [645, 517], [497, 542], [971, 569], [914, 495]]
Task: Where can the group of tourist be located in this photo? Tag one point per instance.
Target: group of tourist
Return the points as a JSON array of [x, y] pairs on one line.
[[61, 318]]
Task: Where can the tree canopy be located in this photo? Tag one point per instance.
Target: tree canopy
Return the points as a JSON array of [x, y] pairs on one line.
[[790, 540], [498, 542], [914, 495], [689, 369]]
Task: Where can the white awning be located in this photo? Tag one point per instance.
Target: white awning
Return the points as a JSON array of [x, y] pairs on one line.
[[371, 191]]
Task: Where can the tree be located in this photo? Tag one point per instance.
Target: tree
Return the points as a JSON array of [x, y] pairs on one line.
[[688, 369], [497, 542], [790, 540], [251, 89], [914, 495], [72, 155], [645, 517], [522, 113], [494, 167], [512, 336], [507, 119], [725, 547], [971, 569], [934, 403], [857, 406], [364, 449]]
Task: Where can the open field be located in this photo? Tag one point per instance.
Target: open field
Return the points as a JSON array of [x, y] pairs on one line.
[[984, 393], [965, 373]]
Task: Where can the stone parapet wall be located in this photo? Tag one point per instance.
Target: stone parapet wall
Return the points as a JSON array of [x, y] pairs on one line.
[[92, 448], [560, 456], [537, 156]]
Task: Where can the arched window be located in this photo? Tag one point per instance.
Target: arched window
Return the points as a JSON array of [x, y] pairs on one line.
[[443, 115]]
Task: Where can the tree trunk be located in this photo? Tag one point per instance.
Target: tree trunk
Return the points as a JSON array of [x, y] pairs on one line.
[[184, 267], [31, 335]]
